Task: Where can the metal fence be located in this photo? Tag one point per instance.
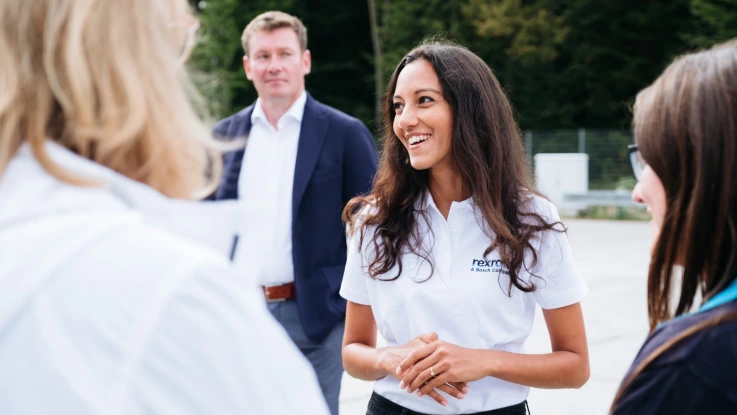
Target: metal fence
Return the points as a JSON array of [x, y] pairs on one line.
[[609, 166]]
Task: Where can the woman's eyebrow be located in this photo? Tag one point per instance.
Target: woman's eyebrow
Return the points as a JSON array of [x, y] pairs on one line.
[[421, 90]]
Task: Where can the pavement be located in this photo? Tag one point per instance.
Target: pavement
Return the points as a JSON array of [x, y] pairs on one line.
[[613, 256]]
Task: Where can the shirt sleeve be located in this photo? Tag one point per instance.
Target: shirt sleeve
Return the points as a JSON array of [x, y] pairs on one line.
[[354, 287], [556, 276], [215, 349]]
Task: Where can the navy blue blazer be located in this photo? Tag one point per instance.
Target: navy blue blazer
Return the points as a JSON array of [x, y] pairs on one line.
[[336, 160]]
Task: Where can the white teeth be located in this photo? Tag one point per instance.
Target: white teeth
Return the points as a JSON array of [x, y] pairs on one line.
[[418, 139]]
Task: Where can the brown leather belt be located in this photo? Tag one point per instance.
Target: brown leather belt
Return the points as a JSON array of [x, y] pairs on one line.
[[280, 292]]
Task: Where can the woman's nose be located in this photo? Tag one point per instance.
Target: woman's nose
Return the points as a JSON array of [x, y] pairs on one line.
[[637, 194], [407, 119]]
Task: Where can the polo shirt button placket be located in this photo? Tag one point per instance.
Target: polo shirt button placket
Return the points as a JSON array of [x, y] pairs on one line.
[[448, 268], [451, 234], [445, 246], [448, 254], [453, 242]]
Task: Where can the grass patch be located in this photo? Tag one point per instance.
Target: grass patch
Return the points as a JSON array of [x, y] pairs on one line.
[[614, 213]]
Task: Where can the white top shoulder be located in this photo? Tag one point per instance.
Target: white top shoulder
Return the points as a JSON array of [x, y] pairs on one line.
[[117, 300], [462, 295], [241, 361]]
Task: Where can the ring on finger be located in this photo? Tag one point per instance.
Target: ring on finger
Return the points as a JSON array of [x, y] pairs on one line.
[[432, 372]]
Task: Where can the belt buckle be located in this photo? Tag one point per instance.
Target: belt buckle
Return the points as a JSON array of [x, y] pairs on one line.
[[272, 300]]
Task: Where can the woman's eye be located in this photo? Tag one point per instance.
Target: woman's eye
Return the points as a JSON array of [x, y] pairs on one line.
[[425, 100], [398, 106]]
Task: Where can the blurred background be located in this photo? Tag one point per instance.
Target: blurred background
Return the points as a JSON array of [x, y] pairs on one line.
[[570, 67]]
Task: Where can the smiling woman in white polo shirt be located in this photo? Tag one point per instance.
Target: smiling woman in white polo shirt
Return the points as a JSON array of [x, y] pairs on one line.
[[452, 251]]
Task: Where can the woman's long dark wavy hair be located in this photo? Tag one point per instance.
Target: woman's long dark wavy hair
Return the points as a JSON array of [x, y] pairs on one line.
[[686, 129], [488, 152]]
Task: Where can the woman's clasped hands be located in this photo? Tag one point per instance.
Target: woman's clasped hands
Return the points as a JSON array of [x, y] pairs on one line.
[[438, 365], [396, 357]]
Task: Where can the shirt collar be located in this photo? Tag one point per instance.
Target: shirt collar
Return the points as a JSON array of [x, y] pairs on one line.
[[425, 202], [295, 112]]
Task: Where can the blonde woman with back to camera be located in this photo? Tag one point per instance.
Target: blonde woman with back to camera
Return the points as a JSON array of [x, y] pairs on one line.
[[114, 296]]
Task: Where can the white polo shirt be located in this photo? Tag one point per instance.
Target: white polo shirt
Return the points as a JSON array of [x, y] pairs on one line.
[[465, 301]]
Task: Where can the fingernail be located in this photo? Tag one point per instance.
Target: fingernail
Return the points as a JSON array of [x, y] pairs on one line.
[[460, 396], [444, 403], [466, 389], [419, 393], [401, 385], [399, 370]]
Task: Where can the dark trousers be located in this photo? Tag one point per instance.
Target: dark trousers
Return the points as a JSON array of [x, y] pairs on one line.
[[379, 405], [325, 357]]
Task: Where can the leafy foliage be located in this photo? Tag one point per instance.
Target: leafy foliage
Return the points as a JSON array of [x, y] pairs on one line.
[[564, 63], [716, 21]]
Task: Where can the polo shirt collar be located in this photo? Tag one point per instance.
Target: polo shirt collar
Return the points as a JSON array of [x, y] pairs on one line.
[[425, 202]]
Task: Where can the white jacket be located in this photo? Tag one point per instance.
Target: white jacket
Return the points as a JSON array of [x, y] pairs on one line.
[[111, 303]]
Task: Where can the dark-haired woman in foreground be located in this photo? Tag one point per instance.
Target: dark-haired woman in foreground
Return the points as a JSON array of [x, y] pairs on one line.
[[452, 251], [686, 163]]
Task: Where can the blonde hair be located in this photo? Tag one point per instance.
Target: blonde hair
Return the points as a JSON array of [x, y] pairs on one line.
[[270, 21], [104, 79]]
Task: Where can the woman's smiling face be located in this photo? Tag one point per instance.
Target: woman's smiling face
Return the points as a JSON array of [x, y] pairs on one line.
[[423, 119]]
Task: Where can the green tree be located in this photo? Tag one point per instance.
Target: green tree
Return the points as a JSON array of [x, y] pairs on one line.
[[378, 60], [339, 40], [615, 49], [715, 22], [563, 63], [407, 23], [400, 25], [531, 33]]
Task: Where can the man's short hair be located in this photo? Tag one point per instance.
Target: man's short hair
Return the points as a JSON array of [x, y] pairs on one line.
[[270, 21]]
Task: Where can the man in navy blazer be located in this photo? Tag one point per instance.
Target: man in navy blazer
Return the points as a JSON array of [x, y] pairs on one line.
[[302, 163]]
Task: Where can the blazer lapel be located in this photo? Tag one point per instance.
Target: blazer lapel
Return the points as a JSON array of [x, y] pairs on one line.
[[311, 138]]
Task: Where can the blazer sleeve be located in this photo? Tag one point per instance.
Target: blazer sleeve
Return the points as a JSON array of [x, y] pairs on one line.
[[221, 131], [360, 161]]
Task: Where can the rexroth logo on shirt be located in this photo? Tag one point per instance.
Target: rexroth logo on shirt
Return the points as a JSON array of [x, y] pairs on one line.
[[488, 265]]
